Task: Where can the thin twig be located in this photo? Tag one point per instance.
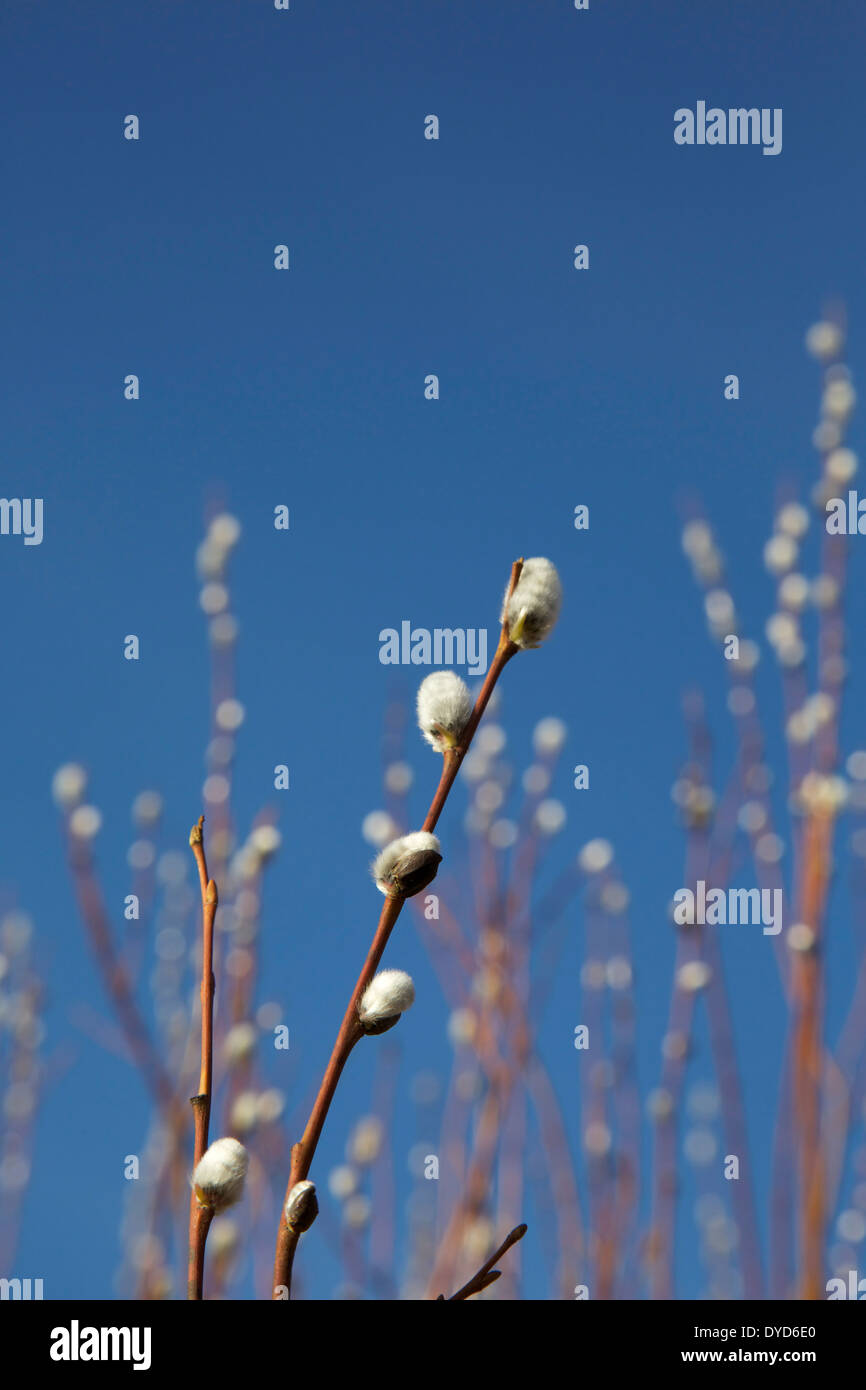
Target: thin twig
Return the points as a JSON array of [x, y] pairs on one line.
[[486, 1275], [118, 985], [199, 1216]]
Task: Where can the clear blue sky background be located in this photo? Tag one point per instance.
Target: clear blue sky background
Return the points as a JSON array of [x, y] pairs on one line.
[[306, 388]]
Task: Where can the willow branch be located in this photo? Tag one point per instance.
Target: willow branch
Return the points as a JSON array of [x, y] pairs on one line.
[[486, 1275], [350, 1031], [200, 1217]]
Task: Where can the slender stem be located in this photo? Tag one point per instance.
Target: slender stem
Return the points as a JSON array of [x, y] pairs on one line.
[[486, 1274], [119, 988], [304, 1151], [200, 1217], [808, 1058], [199, 1225], [454, 756]]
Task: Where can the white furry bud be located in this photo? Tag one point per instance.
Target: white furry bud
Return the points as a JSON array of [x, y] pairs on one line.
[[240, 1043], [534, 606], [224, 531], [388, 995], [407, 865], [68, 785], [265, 840], [219, 1175], [365, 1143], [224, 1237], [824, 341], [444, 709]]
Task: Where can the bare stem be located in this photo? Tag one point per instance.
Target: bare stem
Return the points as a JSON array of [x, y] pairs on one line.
[[200, 1217], [486, 1275], [808, 1059], [119, 988]]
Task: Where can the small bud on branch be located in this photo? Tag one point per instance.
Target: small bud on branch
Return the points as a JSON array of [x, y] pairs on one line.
[[302, 1207], [407, 865], [388, 995]]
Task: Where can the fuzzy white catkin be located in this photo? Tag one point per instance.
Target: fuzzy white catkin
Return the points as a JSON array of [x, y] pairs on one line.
[[244, 1113], [416, 841], [219, 1175], [240, 1042], [534, 606], [388, 994], [265, 840], [366, 1141], [224, 531], [224, 1236], [378, 828], [824, 341], [548, 736], [68, 785], [444, 709], [85, 822]]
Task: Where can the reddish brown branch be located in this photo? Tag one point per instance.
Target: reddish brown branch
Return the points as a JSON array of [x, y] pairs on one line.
[[486, 1275], [304, 1151], [199, 1216], [119, 987]]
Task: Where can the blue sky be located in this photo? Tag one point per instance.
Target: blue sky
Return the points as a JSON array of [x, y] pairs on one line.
[[306, 387]]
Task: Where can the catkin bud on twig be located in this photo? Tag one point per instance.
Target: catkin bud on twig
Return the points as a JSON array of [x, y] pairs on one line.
[[302, 1207], [444, 709], [219, 1175], [533, 608], [388, 995], [407, 865], [68, 785]]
